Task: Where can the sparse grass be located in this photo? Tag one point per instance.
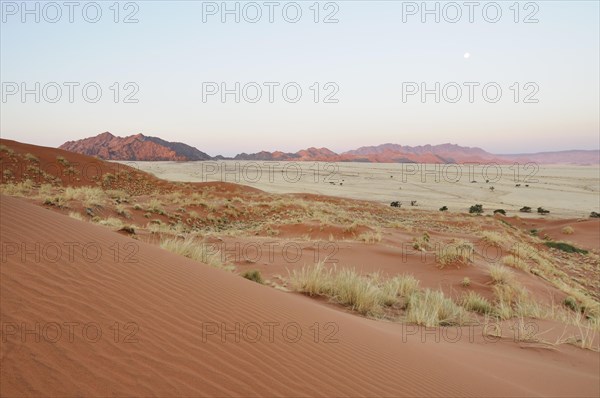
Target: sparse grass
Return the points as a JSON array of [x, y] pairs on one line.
[[196, 251], [359, 293], [30, 157], [493, 238], [422, 242], [397, 287], [63, 161], [501, 275], [254, 275], [19, 189], [122, 211], [568, 230], [155, 206], [88, 196], [55, 200], [432, 308], [370, 237], [111, 222], [313, 280], [367, 296], [466, 282], [76, 215], [515, 262], [473, 301], [459, 250]]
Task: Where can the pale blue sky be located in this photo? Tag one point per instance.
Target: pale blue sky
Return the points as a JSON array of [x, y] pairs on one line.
[[369, 53]]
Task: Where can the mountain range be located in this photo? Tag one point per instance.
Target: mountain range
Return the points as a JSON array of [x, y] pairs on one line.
[[143, 148]]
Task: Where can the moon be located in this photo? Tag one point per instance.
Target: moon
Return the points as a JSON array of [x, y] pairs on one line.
[[467, 55]]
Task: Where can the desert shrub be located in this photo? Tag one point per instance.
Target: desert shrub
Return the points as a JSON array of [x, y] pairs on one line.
[[444, 208], [525, 209], [541, 210], [253, 275], [594, 214], [476, 209], [500, 211], [466, 282], [566, 247], [396, 204]]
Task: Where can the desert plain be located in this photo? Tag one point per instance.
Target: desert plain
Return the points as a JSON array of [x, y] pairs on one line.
[[151, 279], [564, 190]]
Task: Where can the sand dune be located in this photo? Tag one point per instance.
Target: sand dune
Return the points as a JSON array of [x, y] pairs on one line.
[[163, 303]]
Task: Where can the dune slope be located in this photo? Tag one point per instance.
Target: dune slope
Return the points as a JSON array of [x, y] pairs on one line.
[[161, 319]]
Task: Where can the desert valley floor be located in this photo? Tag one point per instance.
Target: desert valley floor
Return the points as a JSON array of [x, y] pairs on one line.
[[565, 190], [153, 281]]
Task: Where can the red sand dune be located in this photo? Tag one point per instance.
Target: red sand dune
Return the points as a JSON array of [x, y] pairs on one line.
[[169, 300]]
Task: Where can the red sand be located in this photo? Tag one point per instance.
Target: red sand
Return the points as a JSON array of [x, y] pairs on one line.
[[169, 298]]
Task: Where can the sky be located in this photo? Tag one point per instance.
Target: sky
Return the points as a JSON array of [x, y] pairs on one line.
[[354, 73]]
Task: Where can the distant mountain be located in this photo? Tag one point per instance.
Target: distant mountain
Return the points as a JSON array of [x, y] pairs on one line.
[[569, 157], [140, 147], [135, 147]]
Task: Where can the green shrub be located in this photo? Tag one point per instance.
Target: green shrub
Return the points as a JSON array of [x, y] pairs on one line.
[[253, 275], [566, 247], [476, 209]]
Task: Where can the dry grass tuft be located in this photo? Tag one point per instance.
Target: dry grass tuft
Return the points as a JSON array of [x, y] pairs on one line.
[[459, 250], [501, 275], [473, 301], [432, 308], [493, 238], [196, 251], [568, 230], [367, 296], [515, 262]]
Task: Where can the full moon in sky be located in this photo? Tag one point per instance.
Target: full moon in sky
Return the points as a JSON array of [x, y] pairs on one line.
[[467, 55]]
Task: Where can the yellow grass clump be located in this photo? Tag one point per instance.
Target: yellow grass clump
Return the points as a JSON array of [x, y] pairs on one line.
[[432, 308], [459, 250], [196, 251], [568, 230]]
